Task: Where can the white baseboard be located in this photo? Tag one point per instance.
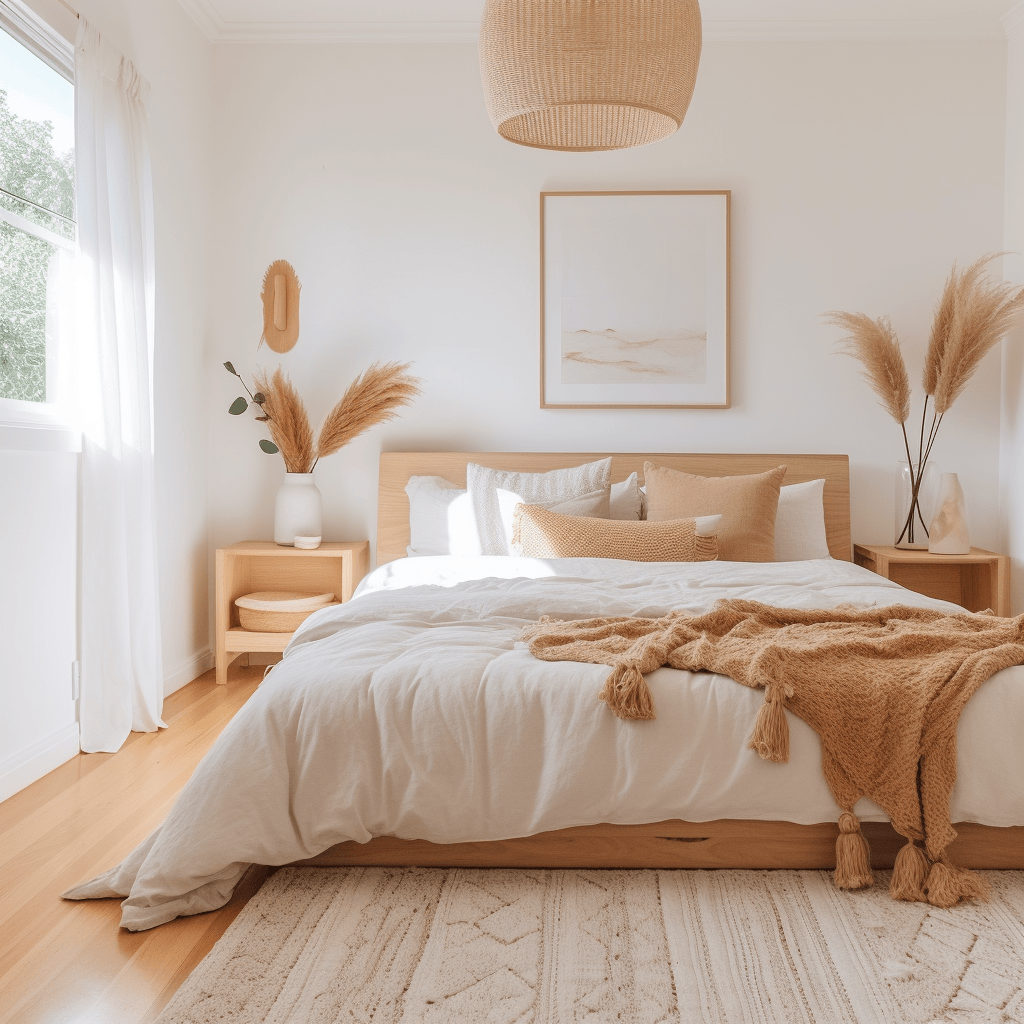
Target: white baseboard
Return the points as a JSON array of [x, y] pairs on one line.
[[35, 761], [32, 763], [188, 670]]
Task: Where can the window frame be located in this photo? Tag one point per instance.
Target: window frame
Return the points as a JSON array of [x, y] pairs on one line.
[[58, 53]]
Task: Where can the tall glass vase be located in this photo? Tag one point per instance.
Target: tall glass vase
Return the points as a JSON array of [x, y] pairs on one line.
[[911, 530]]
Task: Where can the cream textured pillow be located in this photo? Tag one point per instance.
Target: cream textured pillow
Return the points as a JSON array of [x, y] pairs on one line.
[[748, 505], [542, 533], [558, 485]]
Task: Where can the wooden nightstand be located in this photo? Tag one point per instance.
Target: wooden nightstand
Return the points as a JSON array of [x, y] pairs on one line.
[[254, 565], [977, 581]]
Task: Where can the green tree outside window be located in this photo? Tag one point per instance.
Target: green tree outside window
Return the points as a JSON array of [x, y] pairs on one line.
[[38, 187]]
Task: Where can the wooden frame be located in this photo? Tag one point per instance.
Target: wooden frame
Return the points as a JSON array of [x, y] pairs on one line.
[[677, 844], [666, 844], [611, 303], [397, 467]]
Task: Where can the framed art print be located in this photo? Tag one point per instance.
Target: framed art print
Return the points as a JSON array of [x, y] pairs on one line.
[[634, 300]]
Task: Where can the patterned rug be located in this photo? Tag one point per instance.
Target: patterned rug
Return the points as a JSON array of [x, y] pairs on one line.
[[408, 946]]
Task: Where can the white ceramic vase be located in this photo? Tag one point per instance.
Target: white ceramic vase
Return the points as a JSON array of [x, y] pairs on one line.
[[910, 532], [298, 510], [947, 534]]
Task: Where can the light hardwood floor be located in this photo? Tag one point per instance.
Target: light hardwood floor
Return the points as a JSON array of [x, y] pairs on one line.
[[65, 962]]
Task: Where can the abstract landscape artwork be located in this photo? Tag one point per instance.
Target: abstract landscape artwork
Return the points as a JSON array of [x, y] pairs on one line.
[[635, 293]]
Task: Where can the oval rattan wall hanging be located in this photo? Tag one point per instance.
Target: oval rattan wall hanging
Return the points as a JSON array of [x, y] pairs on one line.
[[280, 297], [588, 74]]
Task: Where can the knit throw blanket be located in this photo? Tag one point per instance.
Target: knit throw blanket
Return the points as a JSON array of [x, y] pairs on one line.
[[882, 688]]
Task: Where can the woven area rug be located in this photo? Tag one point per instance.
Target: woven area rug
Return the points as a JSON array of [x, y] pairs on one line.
[[398, 946]]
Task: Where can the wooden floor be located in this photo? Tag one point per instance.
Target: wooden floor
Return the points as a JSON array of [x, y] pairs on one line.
[[65, 962]]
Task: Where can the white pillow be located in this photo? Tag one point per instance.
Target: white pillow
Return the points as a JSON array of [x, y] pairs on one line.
[[627, 501], [707, 526], [800, 523], [558, 485], [440, 518]]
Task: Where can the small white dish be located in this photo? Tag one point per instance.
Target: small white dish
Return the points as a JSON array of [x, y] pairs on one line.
[[307, 542]]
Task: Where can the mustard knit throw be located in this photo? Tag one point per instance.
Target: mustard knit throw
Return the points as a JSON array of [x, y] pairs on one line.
[[882, 688]]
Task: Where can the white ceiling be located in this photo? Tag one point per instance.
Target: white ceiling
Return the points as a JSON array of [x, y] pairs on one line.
[[227, 20]]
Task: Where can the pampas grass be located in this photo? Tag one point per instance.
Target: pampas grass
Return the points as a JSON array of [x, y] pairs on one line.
[[875, 344], [287, 420], [373, 397], [972, 315]]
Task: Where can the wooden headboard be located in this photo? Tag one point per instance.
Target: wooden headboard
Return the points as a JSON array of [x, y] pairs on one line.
[[397, 467]]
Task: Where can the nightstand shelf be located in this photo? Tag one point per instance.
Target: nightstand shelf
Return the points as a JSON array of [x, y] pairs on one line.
[[255, 565], [977, 581], [247, 641]]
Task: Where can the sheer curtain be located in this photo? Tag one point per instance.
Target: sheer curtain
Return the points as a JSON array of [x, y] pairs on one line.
[[121, 662]]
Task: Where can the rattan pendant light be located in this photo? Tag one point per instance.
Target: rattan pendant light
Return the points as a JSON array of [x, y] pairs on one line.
[[588, 74]]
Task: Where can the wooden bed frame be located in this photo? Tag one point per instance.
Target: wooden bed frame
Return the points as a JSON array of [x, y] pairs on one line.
[[666, 844]]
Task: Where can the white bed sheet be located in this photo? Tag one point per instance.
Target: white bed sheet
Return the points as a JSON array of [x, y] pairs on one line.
[[412, 711]]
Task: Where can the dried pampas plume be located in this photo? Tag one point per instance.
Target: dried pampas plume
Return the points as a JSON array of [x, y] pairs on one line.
[[373, 397], [287, 420], [972, 316], [875, 344]]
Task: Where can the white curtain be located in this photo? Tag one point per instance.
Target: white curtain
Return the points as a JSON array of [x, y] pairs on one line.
[[121, 662]]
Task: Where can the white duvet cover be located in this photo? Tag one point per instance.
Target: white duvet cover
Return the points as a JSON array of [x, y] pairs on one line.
[[411, 711]]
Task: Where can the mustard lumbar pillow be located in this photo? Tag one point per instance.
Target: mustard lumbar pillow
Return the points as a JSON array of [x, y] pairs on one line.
[[748, 505], [540, 533]]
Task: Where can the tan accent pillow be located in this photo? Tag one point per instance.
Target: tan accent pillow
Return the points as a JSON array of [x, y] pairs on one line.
[[748, 505], [540, 533]]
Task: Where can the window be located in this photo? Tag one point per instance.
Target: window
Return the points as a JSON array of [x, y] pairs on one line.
[[37, 212]]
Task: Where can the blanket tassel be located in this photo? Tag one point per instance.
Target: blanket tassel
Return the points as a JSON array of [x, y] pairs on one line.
[[948, 885], [770, 737], [853, 855], [909, 874], [627, 694]]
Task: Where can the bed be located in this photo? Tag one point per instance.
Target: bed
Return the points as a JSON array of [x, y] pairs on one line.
[[735, 843], [408, 727]]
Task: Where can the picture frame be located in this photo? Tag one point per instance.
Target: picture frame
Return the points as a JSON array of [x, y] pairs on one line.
[[634, 300]]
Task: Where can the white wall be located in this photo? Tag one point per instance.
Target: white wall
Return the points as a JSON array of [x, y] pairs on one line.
[[860, 171], [38, 516], [1012, 434]]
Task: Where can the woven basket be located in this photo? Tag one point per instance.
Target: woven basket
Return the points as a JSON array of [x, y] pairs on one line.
[[589, 74], [278, 611]]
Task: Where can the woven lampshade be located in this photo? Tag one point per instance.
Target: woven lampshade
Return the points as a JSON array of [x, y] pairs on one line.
[[589, 74]]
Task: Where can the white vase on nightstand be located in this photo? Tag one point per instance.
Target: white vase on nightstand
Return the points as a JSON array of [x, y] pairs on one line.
[[947, 534], [298, 510]]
